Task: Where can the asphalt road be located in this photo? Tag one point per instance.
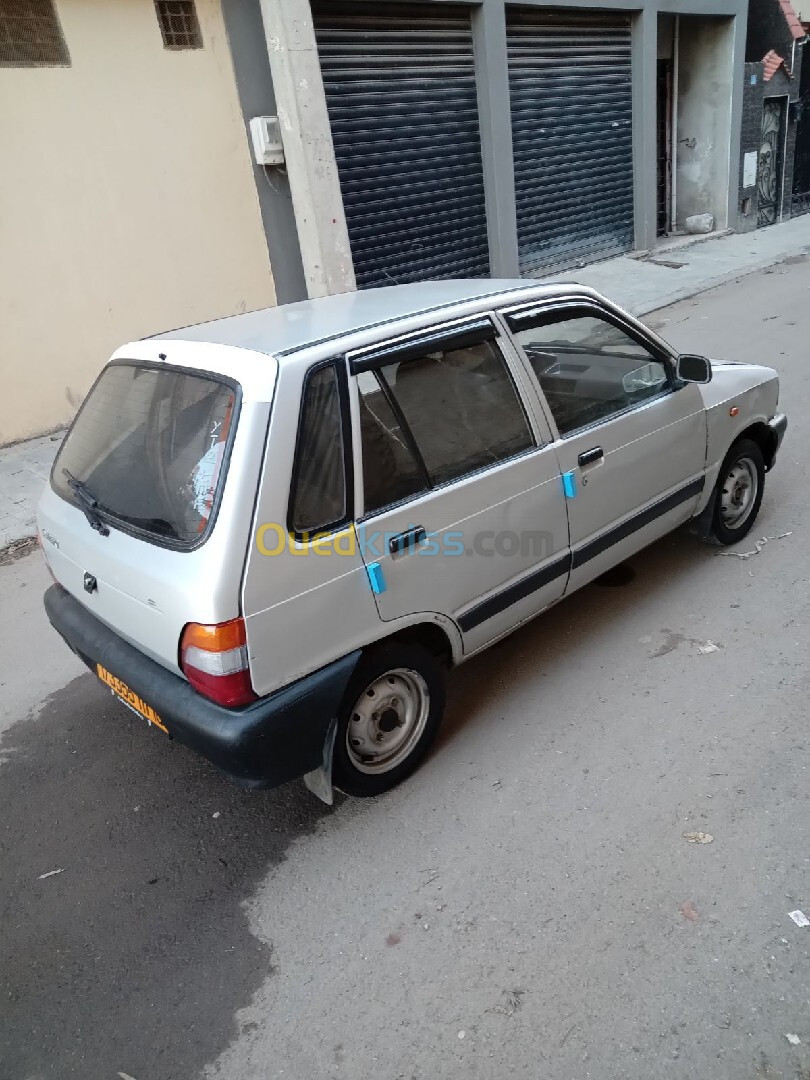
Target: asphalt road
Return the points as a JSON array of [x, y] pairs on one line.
[[526, 905]]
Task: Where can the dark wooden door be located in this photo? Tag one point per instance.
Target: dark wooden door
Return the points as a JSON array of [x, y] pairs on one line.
[[663, 105]]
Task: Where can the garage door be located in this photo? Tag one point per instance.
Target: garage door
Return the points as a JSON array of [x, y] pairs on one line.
[[570, 88], [401, 95]]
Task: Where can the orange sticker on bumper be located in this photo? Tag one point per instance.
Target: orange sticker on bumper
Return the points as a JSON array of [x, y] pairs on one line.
[[129, 697]]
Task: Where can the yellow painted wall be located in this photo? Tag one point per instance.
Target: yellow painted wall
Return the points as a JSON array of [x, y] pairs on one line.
[[127, 203]]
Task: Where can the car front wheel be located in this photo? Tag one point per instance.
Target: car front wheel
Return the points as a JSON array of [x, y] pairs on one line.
[[390, 716], [739, 491]]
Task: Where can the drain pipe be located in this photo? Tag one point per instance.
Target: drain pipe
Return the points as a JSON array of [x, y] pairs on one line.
[[673, 151]]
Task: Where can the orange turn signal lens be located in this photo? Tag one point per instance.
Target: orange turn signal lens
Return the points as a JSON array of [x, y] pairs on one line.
[[221, 637], [733, 411]]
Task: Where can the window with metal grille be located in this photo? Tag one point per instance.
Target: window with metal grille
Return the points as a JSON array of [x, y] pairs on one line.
[[179, 24], [30, 35]]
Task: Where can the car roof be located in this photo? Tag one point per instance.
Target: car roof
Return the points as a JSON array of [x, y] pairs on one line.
[[281, 330]]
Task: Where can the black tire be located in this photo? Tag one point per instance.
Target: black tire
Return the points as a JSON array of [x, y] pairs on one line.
[[743, 456], [413, 674]]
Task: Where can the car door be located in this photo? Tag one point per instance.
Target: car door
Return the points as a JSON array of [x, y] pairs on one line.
[[630, 438], [463, 509]]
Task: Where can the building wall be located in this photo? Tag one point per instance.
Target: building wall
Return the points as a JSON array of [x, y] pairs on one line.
[[714, 110], [720, 87], [801, 142], [755, 90], [129, 203], [767, 29], [787, 86]]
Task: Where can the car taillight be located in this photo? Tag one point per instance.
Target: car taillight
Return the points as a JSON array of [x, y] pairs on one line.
[[214, 659]]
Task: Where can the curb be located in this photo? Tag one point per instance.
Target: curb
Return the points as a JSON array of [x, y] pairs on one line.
[[676, 296]]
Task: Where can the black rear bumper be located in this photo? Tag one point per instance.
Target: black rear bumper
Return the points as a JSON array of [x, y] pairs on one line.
[[275, 739]]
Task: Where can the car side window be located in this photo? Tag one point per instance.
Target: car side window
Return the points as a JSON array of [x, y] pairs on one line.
[[461, 408], [391, 467], [589, 369], [432, 418], [319, 474]]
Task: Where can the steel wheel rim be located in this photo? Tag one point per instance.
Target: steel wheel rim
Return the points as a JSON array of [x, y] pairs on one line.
[[738, 493], [387, 721]]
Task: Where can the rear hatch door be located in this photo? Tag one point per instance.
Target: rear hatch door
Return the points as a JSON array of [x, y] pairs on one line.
[[134, 493]]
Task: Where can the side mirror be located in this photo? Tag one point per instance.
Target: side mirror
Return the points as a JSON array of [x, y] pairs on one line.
[[691, 368]]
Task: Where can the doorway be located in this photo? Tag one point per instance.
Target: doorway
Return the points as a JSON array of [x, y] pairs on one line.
[[571, 98], [400, 90], [704, 77], [663, 134], [770, 169], [801, 158]]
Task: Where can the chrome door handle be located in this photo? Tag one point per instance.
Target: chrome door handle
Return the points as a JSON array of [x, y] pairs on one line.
[[588, 457], [406, 540]]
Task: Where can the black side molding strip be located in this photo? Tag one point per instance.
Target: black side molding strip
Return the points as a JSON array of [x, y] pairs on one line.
[[472, 333], [493, 605], [627, 528]]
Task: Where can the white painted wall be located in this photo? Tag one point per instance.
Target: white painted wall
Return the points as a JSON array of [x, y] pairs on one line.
[[127, 203], [705, 86]]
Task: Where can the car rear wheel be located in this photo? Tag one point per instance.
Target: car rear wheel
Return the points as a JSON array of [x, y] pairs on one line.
[[739, 491], [390, 716]]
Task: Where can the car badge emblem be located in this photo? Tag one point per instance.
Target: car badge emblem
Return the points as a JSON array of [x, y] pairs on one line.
[[90, 583]]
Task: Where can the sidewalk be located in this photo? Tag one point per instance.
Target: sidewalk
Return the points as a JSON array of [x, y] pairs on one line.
[[24, 469], [640, 285], [643, 285]]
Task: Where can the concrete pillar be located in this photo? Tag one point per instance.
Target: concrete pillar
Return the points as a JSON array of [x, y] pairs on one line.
[[738, 33], [308, 149], [644, 58], [254, 84], [492, 79]]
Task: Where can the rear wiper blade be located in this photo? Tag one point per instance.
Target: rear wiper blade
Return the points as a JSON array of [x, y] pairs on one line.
[[87, 501], [153, 524]]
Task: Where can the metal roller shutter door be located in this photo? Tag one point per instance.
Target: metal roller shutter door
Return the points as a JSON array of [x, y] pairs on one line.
[[571, 100], [401, 95]]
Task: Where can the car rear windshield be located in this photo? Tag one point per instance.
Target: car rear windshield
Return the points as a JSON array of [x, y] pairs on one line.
[[147, 451]]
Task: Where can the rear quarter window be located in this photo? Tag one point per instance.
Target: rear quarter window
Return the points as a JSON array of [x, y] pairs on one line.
[[319, 498]]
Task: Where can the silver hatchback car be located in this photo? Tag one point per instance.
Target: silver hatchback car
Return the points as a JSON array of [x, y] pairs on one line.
[[270, 534]]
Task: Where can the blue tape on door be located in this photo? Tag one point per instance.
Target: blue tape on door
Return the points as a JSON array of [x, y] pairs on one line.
[[375, 577], [569, 482]]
